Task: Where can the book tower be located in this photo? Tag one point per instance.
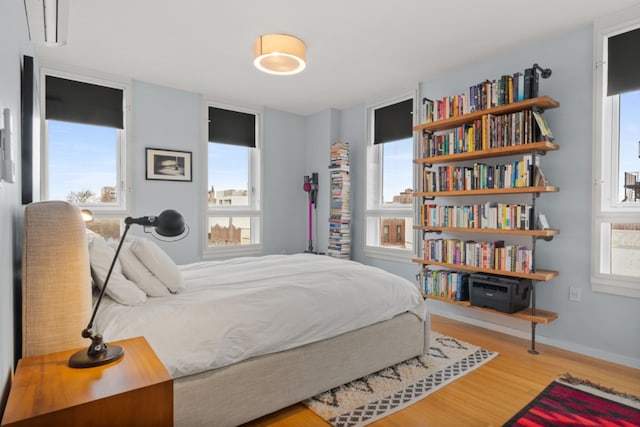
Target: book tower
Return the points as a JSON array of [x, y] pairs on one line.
[[339, 214]]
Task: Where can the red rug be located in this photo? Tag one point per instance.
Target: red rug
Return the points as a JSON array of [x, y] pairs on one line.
[[570, 401]]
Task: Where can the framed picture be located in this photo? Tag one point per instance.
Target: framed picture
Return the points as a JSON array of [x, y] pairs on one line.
[[169, 165]]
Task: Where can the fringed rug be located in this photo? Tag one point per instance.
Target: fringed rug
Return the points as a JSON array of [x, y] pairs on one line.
[[570, 401], [378, 395]]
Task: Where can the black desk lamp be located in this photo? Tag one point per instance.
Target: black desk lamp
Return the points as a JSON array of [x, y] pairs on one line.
[[168, 224]]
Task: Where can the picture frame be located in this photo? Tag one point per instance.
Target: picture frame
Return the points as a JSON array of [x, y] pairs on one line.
[[168, 165]]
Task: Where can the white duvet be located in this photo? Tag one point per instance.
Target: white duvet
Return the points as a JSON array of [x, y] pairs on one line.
[[236, 309]]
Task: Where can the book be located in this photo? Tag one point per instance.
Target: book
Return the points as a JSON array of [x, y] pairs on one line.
[[543, 224], [545, 132], [528, 76]]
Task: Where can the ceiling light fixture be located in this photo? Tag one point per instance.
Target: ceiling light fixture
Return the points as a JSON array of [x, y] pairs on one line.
[[280, 54]]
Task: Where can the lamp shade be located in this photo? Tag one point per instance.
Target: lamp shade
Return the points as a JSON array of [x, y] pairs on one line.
[[170, 223], [279, 54]]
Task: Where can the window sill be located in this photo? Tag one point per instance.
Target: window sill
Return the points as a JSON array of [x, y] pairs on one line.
[[622, 287], [389, 254], [232, 252]]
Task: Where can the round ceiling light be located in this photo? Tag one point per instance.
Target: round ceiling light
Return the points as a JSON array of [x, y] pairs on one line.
[[279, 54]]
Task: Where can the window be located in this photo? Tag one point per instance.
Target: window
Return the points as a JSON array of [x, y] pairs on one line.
[[389, 214], [615, 265], [233, 170], [85, 146]]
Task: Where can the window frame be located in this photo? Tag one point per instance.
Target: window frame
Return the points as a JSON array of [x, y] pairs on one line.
[[254, 209], [605, 155], [123, 169], [375, 210]]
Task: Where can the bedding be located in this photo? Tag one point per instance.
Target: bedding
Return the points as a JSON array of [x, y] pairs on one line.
[[56, 305], [158, 262], [139, 274], [119, 288], [233, 310]]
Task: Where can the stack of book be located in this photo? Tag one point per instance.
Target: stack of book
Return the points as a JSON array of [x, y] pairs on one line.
[[489, 255], [339, 212], [488, 215], [484, 95], [480, 176], [451, 285]]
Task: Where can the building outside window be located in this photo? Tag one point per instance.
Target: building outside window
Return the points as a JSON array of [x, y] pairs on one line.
[[389, 214], [233, 214], [615, 266], [84, 158]]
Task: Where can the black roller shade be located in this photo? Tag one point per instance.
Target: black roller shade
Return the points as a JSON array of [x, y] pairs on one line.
[[623, 63], [393, 122], [232, 127], [79, 102]]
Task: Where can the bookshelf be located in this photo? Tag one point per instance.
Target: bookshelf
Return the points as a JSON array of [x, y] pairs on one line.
[[469, 156], [339, 212]]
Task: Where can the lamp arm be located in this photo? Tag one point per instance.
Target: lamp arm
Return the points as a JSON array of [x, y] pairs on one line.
[[86, 333]]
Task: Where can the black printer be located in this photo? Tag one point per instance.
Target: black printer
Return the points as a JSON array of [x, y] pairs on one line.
[[500, 293]]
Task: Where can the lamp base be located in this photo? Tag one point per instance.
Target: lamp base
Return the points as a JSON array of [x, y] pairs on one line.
[[82, 358]]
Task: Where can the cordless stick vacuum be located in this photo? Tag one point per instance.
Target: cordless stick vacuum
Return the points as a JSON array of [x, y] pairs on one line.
[[311, 188]]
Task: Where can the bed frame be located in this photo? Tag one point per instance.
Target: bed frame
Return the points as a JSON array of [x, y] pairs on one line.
[[57, 303]]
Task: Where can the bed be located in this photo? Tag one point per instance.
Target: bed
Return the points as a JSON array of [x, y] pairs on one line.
[[283, 350]]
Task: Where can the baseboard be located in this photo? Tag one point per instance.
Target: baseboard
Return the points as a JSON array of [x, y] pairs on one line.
[[521, 333]]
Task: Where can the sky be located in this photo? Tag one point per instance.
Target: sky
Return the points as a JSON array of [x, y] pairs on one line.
[[84, 157], [81, 157], [398, 168], [629, 134]]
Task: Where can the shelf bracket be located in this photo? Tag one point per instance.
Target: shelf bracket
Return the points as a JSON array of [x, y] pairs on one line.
[[533, 350], [545, 238]]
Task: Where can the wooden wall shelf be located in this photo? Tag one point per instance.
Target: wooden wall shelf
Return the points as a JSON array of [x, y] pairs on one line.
[[540, 146], [542, 102], [540, 275]]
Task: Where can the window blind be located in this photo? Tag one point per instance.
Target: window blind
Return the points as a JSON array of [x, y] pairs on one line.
[[232, 127], [393, 122], [623, 63], [80, 102]]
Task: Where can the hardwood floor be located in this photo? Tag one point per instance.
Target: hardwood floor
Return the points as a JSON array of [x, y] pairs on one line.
[[490, 395]]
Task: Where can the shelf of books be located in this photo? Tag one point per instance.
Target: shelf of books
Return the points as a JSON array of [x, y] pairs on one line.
[[479, 129], [339, 210]]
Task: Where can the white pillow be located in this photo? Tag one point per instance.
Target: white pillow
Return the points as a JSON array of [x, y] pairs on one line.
[[119, 288], [136, 271], [159, 263]]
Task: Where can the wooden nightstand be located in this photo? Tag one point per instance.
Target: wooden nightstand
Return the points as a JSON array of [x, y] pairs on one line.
[[134, 391]]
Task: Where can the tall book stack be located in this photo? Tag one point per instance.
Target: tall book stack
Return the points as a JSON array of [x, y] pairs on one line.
[[339, 213]]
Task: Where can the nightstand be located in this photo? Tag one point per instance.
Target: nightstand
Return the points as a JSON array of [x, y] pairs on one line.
[[137, 390]]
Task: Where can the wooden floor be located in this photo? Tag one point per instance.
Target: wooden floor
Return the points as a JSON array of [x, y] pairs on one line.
[[490, 395]]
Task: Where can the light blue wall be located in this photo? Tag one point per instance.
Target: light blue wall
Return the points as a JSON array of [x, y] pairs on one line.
[[173, 119], [321, 130], [169, 119], [601, 325], [14, 43], [283, 199]]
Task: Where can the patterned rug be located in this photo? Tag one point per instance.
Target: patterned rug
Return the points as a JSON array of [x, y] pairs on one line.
[[570, 401], [375, 396]]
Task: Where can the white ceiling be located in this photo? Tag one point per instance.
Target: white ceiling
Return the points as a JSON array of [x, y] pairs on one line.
[[357, 50]]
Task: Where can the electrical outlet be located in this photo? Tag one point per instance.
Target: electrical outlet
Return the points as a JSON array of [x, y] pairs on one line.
[[574, 294]]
